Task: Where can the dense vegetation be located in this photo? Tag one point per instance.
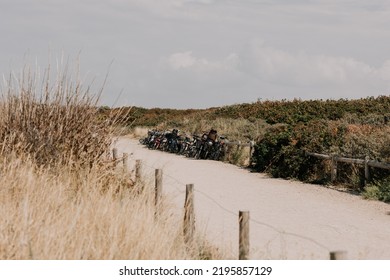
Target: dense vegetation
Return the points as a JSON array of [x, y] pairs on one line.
[[273, 112], [284, 130]]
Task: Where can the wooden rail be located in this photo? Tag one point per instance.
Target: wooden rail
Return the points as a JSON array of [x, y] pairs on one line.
[[371, 163], [239, 143], [366, 162], [250, 144]]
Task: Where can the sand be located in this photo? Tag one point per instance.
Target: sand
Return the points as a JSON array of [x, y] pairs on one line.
[[288, 219]]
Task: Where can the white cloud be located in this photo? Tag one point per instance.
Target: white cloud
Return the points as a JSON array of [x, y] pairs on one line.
[[271, 65], [181, 60], [302, 69], [186, 60]]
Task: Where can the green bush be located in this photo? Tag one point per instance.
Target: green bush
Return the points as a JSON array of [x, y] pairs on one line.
[[281, 151], [378, 191]]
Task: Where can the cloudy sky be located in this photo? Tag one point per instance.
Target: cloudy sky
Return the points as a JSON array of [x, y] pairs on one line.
[[203, 53]]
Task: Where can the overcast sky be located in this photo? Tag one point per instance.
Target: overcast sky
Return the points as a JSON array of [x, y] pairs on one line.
[[204, 53]]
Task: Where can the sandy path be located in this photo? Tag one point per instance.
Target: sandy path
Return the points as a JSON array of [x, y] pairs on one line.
[[289, 220]]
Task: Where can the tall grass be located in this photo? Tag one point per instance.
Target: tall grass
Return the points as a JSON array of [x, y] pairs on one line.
[[67, 215], [54, 122], [59, 197]]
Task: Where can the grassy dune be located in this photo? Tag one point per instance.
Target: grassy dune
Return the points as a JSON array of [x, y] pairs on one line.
[[60, 195]]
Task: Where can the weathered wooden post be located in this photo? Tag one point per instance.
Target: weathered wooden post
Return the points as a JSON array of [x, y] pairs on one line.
[[138, 170], [338, 255], [158, 187], [333, 174], [367, 176], [243, 218], [115, 156], [251, 149], [225, 149], [125, 160], [189, 214]]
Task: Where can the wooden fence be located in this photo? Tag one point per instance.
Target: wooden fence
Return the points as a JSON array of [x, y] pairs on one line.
[[366, 162], [189, 211], [250, 144]]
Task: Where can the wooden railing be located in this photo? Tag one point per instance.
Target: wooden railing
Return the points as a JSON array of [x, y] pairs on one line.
[[366, 162], [250, 144]]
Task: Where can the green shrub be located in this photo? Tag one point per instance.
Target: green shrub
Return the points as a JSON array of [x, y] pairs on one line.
[[378, 191], [281, 152]]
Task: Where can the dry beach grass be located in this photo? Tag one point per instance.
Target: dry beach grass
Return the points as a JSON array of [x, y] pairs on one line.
[[82, 215], [60, 197]]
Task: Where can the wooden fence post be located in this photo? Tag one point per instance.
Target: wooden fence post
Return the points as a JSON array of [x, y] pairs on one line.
[[338, 255], [225, 150], [138, 169], [158, 188], [243, 218], [189, 214], [125, 160], [333, 174], [367, 176], [115, 156], [251, 149]]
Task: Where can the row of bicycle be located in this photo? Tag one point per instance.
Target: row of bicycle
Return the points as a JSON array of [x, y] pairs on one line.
[[206, 146]]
